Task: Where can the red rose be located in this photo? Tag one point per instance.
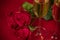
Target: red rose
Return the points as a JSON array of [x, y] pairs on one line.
[[24, 21], [48, 29], [22, 34], [22, 18]]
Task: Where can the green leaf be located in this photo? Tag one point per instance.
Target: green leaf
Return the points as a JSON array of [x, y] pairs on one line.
[[49, 14], [29, 7], [32, 28]]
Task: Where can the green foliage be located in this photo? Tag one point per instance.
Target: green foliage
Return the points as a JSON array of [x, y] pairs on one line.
[[32, 28], [49, 14], [29, 7]]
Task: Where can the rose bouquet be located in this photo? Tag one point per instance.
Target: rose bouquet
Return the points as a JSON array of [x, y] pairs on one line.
[[33, 21]]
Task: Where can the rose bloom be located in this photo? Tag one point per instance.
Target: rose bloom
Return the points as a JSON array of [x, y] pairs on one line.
[[48, 29], [22, 34], [22, 18]]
